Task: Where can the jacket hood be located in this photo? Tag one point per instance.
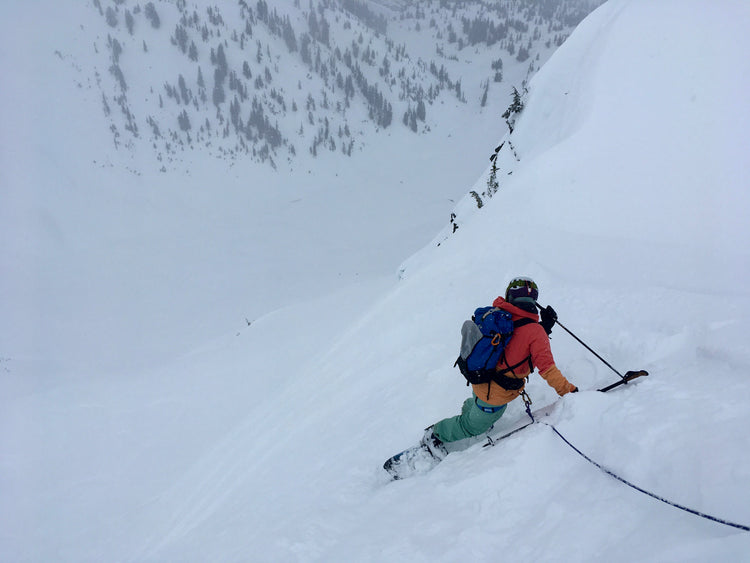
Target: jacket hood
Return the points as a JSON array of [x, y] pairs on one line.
[[501, 303]]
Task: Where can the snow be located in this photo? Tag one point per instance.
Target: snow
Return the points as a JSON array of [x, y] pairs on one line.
[[130, 431]]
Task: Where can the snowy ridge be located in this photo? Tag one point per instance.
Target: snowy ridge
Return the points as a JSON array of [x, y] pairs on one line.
[[627, 204]]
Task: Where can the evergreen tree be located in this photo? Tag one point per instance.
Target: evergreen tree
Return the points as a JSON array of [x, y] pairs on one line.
[[492, 183], [150, 12], [485, 93], [497, 66], [421, 110], [516, 105], [129, 21], [184, 121], [218, 93], [111, 17], [180, 38], [184, 94]]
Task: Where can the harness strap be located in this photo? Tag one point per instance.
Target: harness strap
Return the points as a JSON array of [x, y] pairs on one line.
[[506, 382], [511, 369]]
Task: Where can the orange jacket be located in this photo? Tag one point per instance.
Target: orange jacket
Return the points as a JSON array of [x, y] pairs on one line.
[[528, 340]]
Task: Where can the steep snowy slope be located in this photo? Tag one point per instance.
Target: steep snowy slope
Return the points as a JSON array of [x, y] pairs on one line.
[[627, 203], [646, 297]]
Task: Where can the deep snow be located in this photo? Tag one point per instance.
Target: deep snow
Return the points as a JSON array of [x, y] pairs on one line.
[[627, 204]]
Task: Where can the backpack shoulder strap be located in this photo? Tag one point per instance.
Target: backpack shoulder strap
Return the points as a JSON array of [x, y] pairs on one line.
[[527, 359]]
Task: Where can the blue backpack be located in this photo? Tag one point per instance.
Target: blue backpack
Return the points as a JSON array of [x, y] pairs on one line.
[[483, 341]]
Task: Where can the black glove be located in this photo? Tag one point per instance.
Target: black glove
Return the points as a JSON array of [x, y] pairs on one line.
[[549, 318]]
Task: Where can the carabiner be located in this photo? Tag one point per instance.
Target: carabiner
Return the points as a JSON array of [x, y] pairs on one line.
[[527, 401]]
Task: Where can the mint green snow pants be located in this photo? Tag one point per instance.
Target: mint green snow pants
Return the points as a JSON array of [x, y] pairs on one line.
[[476, 418]]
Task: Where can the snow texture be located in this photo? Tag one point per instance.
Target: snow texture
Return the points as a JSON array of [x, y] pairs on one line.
[[127, 434]]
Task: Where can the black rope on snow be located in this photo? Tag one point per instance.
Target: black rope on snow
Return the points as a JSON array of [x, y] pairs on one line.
[[645, 492]]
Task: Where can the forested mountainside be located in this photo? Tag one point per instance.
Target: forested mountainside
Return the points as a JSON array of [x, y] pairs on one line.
[[272, 80]]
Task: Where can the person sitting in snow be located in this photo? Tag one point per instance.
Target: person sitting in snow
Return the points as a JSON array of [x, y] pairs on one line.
[[529, 348]]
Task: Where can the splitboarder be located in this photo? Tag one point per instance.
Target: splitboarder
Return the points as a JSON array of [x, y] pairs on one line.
[[528, 348]]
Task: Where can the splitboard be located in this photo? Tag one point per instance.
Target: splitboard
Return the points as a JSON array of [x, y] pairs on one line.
[[418, 459]]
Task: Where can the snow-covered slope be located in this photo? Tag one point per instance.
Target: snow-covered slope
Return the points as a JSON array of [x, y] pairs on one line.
[[626, 203], [115, 265]]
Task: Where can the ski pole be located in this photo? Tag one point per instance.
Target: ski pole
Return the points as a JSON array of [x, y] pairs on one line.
[[606, 363], [628, 377]]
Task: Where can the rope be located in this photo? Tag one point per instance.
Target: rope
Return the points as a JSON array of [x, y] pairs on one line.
[[645, 492]]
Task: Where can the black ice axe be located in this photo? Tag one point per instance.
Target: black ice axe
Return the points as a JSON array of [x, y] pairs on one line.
[[629, 376]]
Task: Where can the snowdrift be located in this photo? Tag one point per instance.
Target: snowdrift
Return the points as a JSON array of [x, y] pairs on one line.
[[627, 204]]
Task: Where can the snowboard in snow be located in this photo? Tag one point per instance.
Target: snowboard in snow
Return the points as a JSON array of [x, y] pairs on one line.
[[416, 460], [419, 460]]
